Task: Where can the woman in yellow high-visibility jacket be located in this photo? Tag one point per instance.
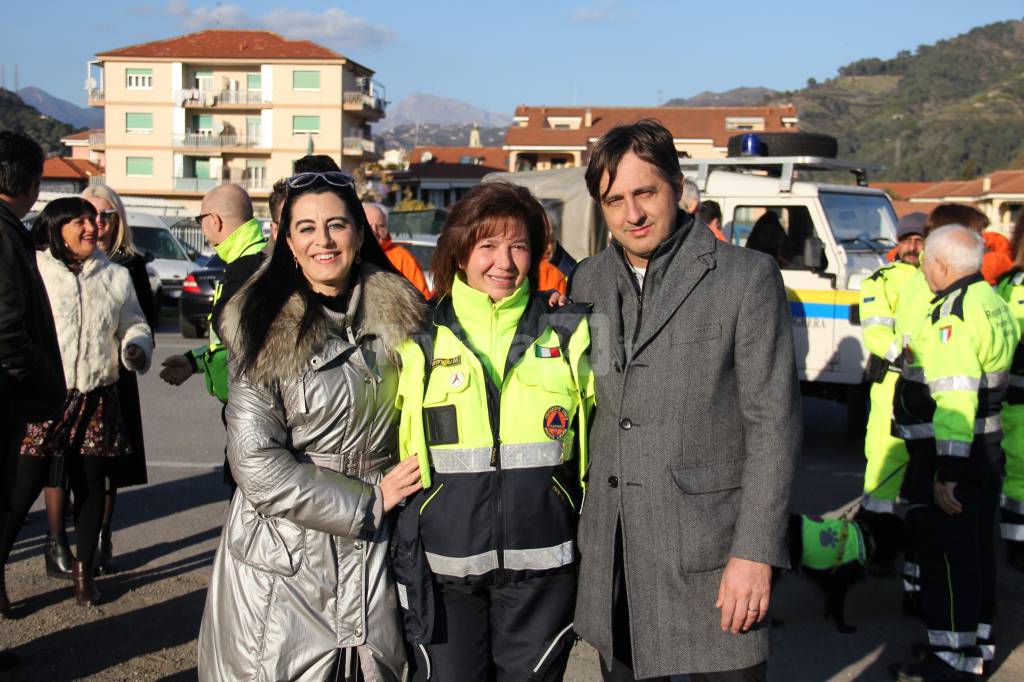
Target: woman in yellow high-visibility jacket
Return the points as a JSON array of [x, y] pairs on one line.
[[495, 399]]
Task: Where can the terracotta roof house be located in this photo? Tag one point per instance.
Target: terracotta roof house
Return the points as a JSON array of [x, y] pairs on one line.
[[999, 195], [184, 114], [541, 137], [68, 175]]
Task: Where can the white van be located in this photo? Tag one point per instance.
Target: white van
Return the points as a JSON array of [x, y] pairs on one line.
[[166, 255], [838, 235]]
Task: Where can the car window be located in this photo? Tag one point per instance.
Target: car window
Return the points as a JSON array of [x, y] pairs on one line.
[[160, 243], [779, 231]]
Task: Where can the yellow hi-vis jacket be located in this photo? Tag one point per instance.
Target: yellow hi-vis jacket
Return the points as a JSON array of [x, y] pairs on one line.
[[495, 403], [879, 295], [964, 348]]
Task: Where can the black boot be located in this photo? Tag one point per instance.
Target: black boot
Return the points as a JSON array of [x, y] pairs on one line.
[[86, 593], [58, 556], [104, 553]]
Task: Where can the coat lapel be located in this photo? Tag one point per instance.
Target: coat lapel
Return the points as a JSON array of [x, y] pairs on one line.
[[676, 280]]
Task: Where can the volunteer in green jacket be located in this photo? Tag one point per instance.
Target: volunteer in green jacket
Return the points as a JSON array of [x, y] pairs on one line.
[[964, 349], [495, 401], [1011, 527], [886, 455], [227, 222]]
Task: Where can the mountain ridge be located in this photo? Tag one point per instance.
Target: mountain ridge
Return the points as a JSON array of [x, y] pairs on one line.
[[61, 109], [424, 108]]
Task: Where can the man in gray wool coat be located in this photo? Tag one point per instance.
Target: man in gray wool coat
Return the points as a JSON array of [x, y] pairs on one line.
[[696, 432]]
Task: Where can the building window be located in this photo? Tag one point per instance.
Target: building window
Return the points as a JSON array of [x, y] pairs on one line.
[[203, 80], [138, 79], [305, 124], [135, 122], [139, 166], [202, 123], [305, 80], [254, 81], [744, 123]]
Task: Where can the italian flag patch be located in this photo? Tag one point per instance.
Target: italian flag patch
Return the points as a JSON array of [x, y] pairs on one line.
[[945, 334], [543, 352]]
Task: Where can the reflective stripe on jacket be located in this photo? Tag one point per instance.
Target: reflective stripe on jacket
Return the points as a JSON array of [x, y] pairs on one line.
[[965, 349], [491, 405], [879, 295]]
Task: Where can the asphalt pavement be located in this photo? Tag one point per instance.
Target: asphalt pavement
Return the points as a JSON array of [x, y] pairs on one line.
[[166, 533]]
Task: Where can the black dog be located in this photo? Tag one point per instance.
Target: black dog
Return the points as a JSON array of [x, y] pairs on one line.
[[838, 550]]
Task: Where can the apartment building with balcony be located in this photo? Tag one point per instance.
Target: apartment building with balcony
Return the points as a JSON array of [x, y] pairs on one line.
[[542, 138], [184, 114]]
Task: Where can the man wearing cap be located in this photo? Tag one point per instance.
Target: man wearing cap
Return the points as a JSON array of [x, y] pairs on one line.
[[886, 456]]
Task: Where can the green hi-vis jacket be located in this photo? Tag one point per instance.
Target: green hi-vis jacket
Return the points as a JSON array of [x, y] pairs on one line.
[[495, 403], [1011, 290], [212, 359], [964, 351], [879, 295], [830, 543]]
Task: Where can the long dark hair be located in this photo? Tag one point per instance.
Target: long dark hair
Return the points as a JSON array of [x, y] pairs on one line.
[[280, 279], [476, 216], [46, 228]]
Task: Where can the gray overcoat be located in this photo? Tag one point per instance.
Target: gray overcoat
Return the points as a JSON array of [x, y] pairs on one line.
[[693, 444]]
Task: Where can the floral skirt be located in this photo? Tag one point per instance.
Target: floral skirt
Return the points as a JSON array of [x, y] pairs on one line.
[[90, 425]]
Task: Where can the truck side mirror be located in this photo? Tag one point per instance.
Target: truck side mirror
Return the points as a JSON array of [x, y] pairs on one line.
[[813, 253]]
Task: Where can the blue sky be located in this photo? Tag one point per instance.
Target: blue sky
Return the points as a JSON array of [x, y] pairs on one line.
[[498, 55]]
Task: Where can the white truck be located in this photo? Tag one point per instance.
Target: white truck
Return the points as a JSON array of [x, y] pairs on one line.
[[839, 235]]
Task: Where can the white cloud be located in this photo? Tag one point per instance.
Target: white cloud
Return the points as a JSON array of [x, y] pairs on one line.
[[332, 26], [597, 11]]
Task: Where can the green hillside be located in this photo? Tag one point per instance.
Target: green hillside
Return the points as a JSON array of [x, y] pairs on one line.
[[945, 111], [17, 116]]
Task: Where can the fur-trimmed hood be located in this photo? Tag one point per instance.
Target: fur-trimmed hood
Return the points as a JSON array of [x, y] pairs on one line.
[[383, 305]]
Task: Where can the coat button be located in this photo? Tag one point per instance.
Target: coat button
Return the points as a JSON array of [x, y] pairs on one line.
[[359, 632], [626, 424], [613, 481], [358, 545]]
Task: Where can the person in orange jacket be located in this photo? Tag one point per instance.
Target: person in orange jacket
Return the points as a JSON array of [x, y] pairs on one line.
[[400, 257], [548, 275], [998, 258]]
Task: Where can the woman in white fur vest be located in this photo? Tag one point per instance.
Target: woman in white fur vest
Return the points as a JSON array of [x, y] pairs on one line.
[[99, 327]]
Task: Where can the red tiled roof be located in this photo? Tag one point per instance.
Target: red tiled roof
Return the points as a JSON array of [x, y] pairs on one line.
[[82, 136], [683, 122], [226, 44], [1007, 182], [69, 169], [494, 157], [901, 190], [949, 188], [902, 208]]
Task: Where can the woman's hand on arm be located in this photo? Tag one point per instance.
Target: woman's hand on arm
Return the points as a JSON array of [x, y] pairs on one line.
[[400, 482]]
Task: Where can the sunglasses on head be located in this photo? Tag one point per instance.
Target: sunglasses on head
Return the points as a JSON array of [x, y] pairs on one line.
[[336, 178]]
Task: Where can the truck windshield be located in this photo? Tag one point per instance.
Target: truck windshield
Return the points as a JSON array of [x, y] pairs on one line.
[[860, 221]]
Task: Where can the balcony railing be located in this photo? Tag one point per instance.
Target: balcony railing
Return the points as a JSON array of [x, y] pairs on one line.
[[255, 184], [195, 97], [195, 184], [361, 101], [97, 139], [95, 94], [209, 140], [357, 146]]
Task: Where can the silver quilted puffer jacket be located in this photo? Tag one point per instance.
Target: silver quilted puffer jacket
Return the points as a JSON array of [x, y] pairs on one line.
[[300, 587]]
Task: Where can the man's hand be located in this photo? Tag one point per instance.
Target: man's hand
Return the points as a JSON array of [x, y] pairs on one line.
[[134, 356], [557, 300], [176, 369], [400, 482], [744, 594], [945, 498]]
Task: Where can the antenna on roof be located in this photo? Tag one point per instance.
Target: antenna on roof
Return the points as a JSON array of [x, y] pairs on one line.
[[15, 78], [3, 76]]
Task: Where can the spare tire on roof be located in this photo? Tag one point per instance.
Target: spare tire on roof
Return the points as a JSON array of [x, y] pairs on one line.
[[790, 144]]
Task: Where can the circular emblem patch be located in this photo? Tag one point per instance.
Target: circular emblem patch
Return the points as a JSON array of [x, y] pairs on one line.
[[456, 379], [556, 422]]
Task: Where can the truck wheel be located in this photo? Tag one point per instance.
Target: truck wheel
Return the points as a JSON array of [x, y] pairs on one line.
[[791, 144], [857, 411]]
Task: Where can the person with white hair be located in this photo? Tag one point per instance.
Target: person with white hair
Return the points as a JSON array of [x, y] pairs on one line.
[[947, 408]]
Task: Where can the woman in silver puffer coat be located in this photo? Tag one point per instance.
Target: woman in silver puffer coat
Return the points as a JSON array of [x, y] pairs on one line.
[[300, 587]]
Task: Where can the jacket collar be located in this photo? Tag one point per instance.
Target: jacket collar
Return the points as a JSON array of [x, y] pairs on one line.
[[14, 225], [961, 283], [676, 267], [247, 238]]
